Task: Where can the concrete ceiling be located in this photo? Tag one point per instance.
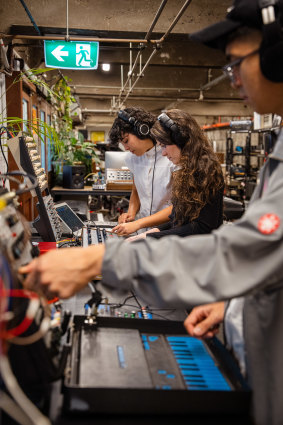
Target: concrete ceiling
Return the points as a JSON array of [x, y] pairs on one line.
[[174, 75]]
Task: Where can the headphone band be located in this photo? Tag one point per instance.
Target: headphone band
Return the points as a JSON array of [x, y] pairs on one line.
[[271, 49], [141, 129], [170, 125]]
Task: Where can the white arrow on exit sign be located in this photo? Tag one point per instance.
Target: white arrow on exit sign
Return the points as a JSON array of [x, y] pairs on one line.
[[58, 53]]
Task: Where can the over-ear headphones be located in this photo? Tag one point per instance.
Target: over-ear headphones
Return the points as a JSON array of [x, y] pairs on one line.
[[141, 129], [169, 124], [271, 49]]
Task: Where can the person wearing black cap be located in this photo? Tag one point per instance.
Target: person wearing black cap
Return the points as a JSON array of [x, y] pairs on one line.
[[243, 260]]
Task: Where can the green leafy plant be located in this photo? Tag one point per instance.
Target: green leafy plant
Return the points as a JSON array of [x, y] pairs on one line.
[[72, 147], [37, 127], [67, 146], [74, 150]]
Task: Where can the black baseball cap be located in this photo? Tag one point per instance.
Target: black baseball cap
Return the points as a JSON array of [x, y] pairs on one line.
[[241, 13]]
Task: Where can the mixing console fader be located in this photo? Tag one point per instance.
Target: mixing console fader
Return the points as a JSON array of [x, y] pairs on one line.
[[96, 235]]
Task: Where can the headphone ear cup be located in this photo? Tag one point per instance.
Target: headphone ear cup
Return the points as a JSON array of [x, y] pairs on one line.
[[271, 61], [142, 130]]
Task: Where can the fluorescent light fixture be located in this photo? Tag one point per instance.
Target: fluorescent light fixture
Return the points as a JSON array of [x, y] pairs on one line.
[[106, 67]]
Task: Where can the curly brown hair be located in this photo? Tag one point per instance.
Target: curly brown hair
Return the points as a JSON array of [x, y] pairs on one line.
[[200, 176]]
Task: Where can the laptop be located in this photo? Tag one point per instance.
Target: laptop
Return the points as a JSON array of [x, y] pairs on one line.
[[71, 223]]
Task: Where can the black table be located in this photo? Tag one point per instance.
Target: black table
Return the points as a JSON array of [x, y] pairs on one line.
[[59, 192]]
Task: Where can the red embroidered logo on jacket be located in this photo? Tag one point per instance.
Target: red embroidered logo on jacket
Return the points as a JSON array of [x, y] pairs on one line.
[[268, 223]]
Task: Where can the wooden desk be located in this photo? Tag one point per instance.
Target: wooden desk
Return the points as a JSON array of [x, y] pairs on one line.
[[59, 192]]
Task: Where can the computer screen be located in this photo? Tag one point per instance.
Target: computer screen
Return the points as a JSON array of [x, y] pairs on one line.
[[69, 217], [115, 159]]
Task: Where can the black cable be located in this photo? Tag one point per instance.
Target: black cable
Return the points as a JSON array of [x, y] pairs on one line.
[[126, 299], [4, 156], [7, 131], [159, 315], [131, 305], [9, 137], [32, 178], [152, 181], [137, 301]]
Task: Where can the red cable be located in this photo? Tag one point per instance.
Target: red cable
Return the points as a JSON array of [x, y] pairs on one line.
[[26, 322]]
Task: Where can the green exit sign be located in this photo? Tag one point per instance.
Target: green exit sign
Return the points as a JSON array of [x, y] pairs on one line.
[[71, 54]]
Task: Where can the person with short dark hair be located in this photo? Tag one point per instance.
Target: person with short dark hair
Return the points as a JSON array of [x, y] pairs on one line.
[[152, 173]]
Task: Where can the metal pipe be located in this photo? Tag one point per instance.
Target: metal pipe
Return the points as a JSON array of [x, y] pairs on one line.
[[86, 86], [148, 35], [140, 65], [95, 111], [213, 83], [130, 67], [102, 40], [73, 38], [30, 17], [182, 10], [192, 100], [138, 77], [122, 75], [149, 32], [67, 20], [218, 125], [123, 87]]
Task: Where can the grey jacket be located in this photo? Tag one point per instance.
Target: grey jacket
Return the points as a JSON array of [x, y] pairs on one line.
[[243, 259]]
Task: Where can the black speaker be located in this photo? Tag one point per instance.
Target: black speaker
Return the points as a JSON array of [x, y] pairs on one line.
[[73, 176]]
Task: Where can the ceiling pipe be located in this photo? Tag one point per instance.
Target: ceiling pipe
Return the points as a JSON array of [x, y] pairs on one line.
[[138, 77], [86, 86], [67, 20], [30, 17], [73, 38], [130, 73], [95, 111], [107, 40], [215, 126], [161, 7], [157, 45], [147, 37], [213, 83], [101, 40], [182, 10]]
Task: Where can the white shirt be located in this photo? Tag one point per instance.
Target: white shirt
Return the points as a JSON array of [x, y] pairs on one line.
[[233, 325], [142, 168]]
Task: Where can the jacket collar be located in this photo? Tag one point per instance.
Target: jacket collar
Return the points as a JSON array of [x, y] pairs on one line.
[[278, 148]]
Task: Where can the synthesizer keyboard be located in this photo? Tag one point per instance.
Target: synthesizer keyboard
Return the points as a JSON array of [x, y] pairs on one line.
[[154, 365]]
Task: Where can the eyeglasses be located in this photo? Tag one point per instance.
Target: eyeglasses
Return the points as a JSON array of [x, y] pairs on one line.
[[230, 68]]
